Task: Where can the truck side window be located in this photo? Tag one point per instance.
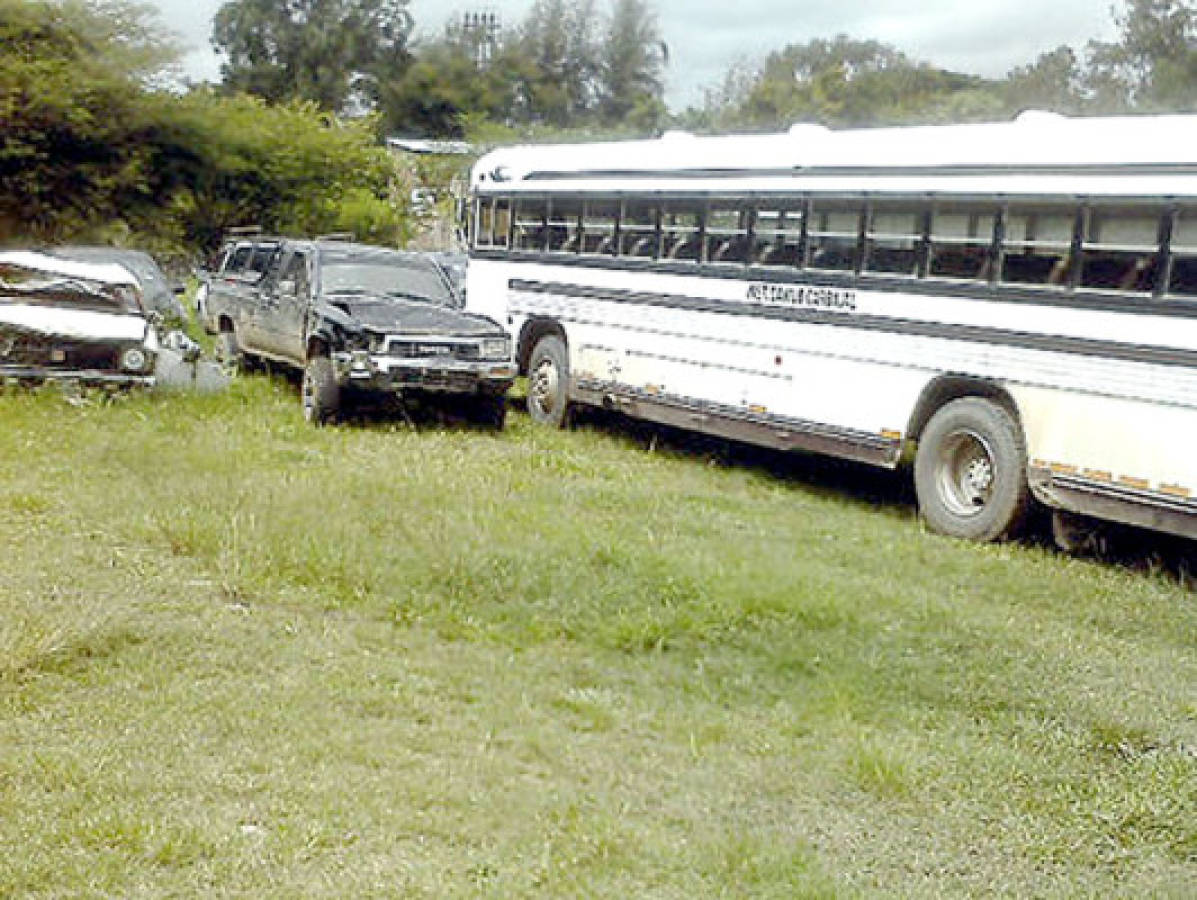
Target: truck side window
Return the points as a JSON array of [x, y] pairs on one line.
[[293, 282]]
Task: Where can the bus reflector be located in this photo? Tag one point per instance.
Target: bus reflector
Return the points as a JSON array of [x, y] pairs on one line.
[[891, 435], [1141, 484], [1175, 490], [1098, 475], [757, 408]]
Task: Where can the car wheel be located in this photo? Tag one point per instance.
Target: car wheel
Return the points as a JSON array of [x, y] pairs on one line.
[[228, 352], [319, 392], [548, 382], [970, 471]]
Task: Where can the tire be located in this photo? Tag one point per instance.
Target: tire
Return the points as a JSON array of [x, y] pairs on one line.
[[228, 352], [548, 382], [970, 471], [319, 392]]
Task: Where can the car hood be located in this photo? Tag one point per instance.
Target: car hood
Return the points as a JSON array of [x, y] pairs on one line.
[[413, 316], [41, 295], [73, 324]]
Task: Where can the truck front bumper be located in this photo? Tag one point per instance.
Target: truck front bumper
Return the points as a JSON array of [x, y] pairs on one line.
[[375, 372]]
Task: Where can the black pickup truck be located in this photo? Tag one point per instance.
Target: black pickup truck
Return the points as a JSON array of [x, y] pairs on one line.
[[359, 319]]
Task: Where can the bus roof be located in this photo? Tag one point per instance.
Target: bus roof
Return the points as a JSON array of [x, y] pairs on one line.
[[1035, 143]]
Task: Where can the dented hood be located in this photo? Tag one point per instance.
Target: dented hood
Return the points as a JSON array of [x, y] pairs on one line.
[[393, 315], [41, 263], [78, 324], [40, 294]]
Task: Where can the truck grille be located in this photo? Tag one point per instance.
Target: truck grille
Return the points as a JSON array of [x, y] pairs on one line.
[[431, 349]]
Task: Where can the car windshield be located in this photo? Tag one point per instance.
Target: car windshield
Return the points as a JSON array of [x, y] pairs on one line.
[[402, 279], [20, 284]]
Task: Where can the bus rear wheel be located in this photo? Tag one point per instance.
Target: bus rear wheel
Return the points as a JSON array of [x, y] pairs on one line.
[[970, 471], [548, 382]]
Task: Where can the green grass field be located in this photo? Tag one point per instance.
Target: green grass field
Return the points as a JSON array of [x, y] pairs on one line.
[[243, 657]]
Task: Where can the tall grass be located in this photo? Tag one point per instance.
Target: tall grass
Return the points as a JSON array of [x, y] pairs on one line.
[[242, 656]]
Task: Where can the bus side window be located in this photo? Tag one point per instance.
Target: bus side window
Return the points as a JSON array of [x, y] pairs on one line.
[[530, 223], [961, 242], [834, 236], [777, 236], [894, 238], [638, 233], [598, 229], [565, 225], [1037, 246], [681, 227], [502, 223], [483, 221], [1120, 251], [727, 233], [1183, 277]]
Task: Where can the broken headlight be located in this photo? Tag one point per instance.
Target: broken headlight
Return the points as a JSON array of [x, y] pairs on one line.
[[135, 359], [353, 340], [496, 348]]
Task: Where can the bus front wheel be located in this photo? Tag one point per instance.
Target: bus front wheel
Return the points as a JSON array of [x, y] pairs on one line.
[[548, 382], [970, 471]]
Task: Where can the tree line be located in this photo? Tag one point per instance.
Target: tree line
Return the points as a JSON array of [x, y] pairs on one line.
[[100, 141], [567, 64]]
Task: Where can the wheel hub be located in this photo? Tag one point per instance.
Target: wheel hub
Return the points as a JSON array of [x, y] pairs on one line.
[[966, 473], [307, 393], [544, 386]]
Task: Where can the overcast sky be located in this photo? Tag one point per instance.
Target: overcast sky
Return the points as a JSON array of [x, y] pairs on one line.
[[706, 36]]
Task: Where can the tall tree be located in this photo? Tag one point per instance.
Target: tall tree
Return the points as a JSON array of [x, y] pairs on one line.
[[558, 38], [75, 111], [844, 82], [632, 58], [1053, 82], [567, 66], [318, 50], [1153, 65]]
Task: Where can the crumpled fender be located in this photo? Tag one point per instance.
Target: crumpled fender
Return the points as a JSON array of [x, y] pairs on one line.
[[326, 319]]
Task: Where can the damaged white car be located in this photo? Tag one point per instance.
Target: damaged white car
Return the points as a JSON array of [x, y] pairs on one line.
[[85, 322]]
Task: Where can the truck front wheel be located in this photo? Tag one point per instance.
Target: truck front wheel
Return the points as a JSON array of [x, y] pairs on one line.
[[320, 393]]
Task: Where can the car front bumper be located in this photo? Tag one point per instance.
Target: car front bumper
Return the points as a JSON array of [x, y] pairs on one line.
[[82, 376]]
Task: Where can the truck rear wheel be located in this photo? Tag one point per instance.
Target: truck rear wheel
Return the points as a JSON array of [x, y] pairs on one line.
[[228, 353]]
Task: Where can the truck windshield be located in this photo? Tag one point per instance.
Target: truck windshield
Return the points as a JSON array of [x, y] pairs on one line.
[[403, 280]]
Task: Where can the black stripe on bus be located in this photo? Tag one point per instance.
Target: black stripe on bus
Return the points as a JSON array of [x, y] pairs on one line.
[[1165, 356], [1081, 299]]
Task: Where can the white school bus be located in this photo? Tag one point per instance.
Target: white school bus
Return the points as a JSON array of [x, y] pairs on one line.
[[1016, 300]]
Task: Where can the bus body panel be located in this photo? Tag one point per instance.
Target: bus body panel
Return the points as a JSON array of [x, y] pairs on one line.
[[1099, 366]]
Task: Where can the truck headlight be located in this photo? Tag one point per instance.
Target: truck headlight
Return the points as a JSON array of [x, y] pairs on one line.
[[496, 348], [135, 359]]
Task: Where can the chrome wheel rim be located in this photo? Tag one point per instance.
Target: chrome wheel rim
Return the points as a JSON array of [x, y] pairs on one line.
[[966, 473], [545, 386], [307, 393]]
